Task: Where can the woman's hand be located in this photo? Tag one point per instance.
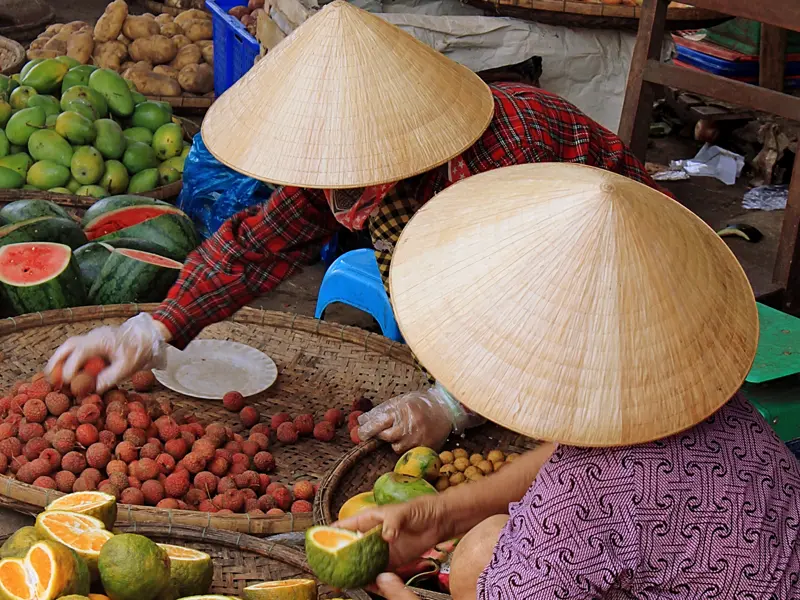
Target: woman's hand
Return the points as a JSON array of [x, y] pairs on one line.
[[410, 528], [391, 587]]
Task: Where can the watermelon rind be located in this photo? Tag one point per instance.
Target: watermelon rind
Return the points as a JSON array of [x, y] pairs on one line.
[[173, 232], [105, 205], [63, 289], [124, 279], [44, 229], [91, 257], [134, 244], [114, 220], [23, 210]]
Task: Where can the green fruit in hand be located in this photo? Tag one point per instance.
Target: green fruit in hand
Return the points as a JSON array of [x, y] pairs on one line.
[[87, 165], [139, 134], [143, 181], [87, 94], [49, 104], [77, 76], [95, 191], [168, 141], [113, 88], [10, 179], [391, 488], [19, 162], [69, 61], [110, 140], [115, 179], [73, 185], [150, 115], [47, 174], [5, 112], [176, 163], [138, 157], [19, 97], [5, 147], [167, 174], [23, 123], [76, 128], [46, 144], [346, 559], [133, 568]]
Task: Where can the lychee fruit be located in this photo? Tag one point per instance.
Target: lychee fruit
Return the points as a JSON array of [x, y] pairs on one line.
[[168, 504], [120, 480], [217, 433], [189, 437], [98, 456], [324, 431], [7, 430], [334, 416], [248, 479], [64, 481], [88, 413], [143, 381], [233, 401], [278, 419], [283, 498], [354, 436], [194, 497], [108, 439], [46, 483], [132, 496], [238, 469], [39, 389], [94, 366], [261, 440], [86, 435], [11, 447], [194, 463], [176, 485], [28, 431], [16, 463], [149, 451], [249, 416], [250, 448], [93, 399], [83, 485], [93, 475], [207, 506], [207, 482], [301, 506], [205, 448], [266, 502], [165, 463], [35, 411], [52, 456], [139, 419], [115, 396], [219, 466], [126, 452], [225, 484], [109, 488], [57, 403], [304, 424], [117, 466], [264, 462], [168, 430], [134, 483], [352, 419], [303, 490], [153, 492], [261, 428], [116, 423], [287, 433], [34, 448], [82, 385], [146, 468], [233, 500], [64, 441], [233, 446], [137, 437]]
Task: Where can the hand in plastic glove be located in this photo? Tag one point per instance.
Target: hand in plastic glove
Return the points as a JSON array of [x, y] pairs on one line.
[[422, 418], [139, 343]]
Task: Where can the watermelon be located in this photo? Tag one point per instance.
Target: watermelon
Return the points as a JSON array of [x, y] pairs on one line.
[[135, 244], [91, 258], [105, 205], [121, 218], [172, 231], [38, 276], [130, 276], [44, 229], [23, 210]]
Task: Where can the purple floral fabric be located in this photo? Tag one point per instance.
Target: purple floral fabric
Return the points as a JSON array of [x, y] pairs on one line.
[[710, 513]]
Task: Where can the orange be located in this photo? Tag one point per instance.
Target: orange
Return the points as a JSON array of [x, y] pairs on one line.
[[48, 571], [290, 589], [81, 533], [95, 504]]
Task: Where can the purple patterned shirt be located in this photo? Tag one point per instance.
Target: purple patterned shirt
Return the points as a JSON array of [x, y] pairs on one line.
[[710, 513]]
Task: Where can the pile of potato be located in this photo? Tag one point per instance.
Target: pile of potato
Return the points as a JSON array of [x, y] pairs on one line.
[[247, 14], [459, 466], [162, 56]]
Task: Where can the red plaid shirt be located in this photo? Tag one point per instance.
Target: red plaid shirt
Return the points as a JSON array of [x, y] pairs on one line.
[[260, 247]]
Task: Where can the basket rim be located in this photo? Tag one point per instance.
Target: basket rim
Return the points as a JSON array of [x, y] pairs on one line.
[[19, 55]]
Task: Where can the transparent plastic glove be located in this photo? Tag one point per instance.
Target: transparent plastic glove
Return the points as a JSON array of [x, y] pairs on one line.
[[139, 343], [422, 418]]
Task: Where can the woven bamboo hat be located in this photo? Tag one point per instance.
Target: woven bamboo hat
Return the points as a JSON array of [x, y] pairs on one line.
[[348, 100], [574, 305]]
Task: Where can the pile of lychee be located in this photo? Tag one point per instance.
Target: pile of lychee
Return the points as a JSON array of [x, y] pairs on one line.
[[129, 445]]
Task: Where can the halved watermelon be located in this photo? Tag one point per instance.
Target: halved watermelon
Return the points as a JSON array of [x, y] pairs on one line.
[[23, 210], [91, 257], [121, 218], [105, 205], [44, 229], [173, 231], [38, 276], [130, 276]]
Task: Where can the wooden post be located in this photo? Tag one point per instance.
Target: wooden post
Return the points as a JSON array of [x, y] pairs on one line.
[[787, 265], [772, 62]]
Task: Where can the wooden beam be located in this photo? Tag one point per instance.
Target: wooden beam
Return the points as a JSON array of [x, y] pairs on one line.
[[772, 61], [728, 90], [784, 14], [787, 265], [637, 109]]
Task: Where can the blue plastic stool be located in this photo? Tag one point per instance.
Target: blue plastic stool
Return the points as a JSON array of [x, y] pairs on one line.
[[354, 279]]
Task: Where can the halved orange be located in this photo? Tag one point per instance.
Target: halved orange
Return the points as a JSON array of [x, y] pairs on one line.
[[95, 504], [48, 571], [81, 533], [290, 589], [190, 571]]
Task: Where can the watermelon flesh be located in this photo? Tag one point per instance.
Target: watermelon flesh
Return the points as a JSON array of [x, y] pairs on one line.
[[133, 276], [39, 276], [149, 257], [122, 218], [172, 231], [110, 203]]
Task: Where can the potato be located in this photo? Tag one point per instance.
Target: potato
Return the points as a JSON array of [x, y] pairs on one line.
[[31, 54], [208, 53], [109, 25], [188, 55], [153, 84], [52, 30], [135, 27], [128, 64], [197, 79], [164, 18], [191, 15], [150, 16], [254, 4], [170, 29], [157, 49], [237, 12], [56, 44], [73, 26], [166, 70], [80, 47], [198, 30], [180, 41], [39, 43], [124, 40], [110, 55]]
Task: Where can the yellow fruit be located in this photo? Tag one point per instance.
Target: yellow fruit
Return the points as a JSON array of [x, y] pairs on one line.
[[461, 464], [81, 533], [48, 571], [512, 457], [460, 453], [447, 457], [457, 478], [95, 504], [419, 462], [288, 589], [357, 504], [475, 459], [486, 467], [470, 471], [495, 456]]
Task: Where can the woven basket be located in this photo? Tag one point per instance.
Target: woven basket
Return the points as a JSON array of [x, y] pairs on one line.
[[12, 56], [321, 365], [161, 8], [186, 103], [23, 20], [358, 470], [239, 560]]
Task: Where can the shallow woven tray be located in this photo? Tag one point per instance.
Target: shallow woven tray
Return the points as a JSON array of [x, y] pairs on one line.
[[321, 365], [12, 56], [358, 470], [239, 560], [591, 14]]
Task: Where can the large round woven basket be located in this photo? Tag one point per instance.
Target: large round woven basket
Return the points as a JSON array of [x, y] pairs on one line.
[[239, 560], [186, 103], [12, 56], [358, 470], [321, 365], [23, 20]]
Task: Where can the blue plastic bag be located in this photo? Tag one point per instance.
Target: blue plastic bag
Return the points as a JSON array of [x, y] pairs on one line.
[[212, 192]]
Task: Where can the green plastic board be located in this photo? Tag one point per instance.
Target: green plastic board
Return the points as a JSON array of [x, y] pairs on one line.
[[744, 36], [779, 404], [778, 353]]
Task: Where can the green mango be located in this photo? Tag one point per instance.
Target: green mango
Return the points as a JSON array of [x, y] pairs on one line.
[[5, 147], [186, 149], [87, 165], [30, 186], [76, 128], [12, 84], [45, 77], [137, 97], [150, 115], [59, 190], [28, 66], [49, 104], [175, 163], [143, 181], [168, 141], [73, 185], [5, 112], [77, 76], [110, 140], [10, 179], [115, 178], [139, 134], [14, 149], [19, 162], [165, 105], [94, 191], [5, 85], [82, 108], [167, 174], [87, 94], [391, 488], [23, 123], [20, 96], [69, 61], [50, 121], [139, 157], [48, 145], [46, 174], [113, 88]]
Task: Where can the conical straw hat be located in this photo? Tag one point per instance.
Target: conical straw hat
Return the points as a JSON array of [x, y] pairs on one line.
[[574, 305], [347, 100]]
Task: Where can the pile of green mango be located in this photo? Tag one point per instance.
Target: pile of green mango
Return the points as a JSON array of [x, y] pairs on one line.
[[78, 129]]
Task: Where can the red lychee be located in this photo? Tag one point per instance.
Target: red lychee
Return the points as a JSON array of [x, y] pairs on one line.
[[233, 401], [287, 433], [304, 490], [132, 496], [153, 492], [86, 435], [334, 416], [249, 416], [176, 485], [278, 419], [35, 411], [98, 456], [143, 381], [304, 424], [324, 431], [57, 403]]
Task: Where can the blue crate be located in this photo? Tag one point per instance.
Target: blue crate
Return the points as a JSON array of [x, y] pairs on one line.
[[235, 50]]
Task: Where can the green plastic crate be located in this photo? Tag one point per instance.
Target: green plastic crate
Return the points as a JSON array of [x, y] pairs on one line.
[[744, 36]]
